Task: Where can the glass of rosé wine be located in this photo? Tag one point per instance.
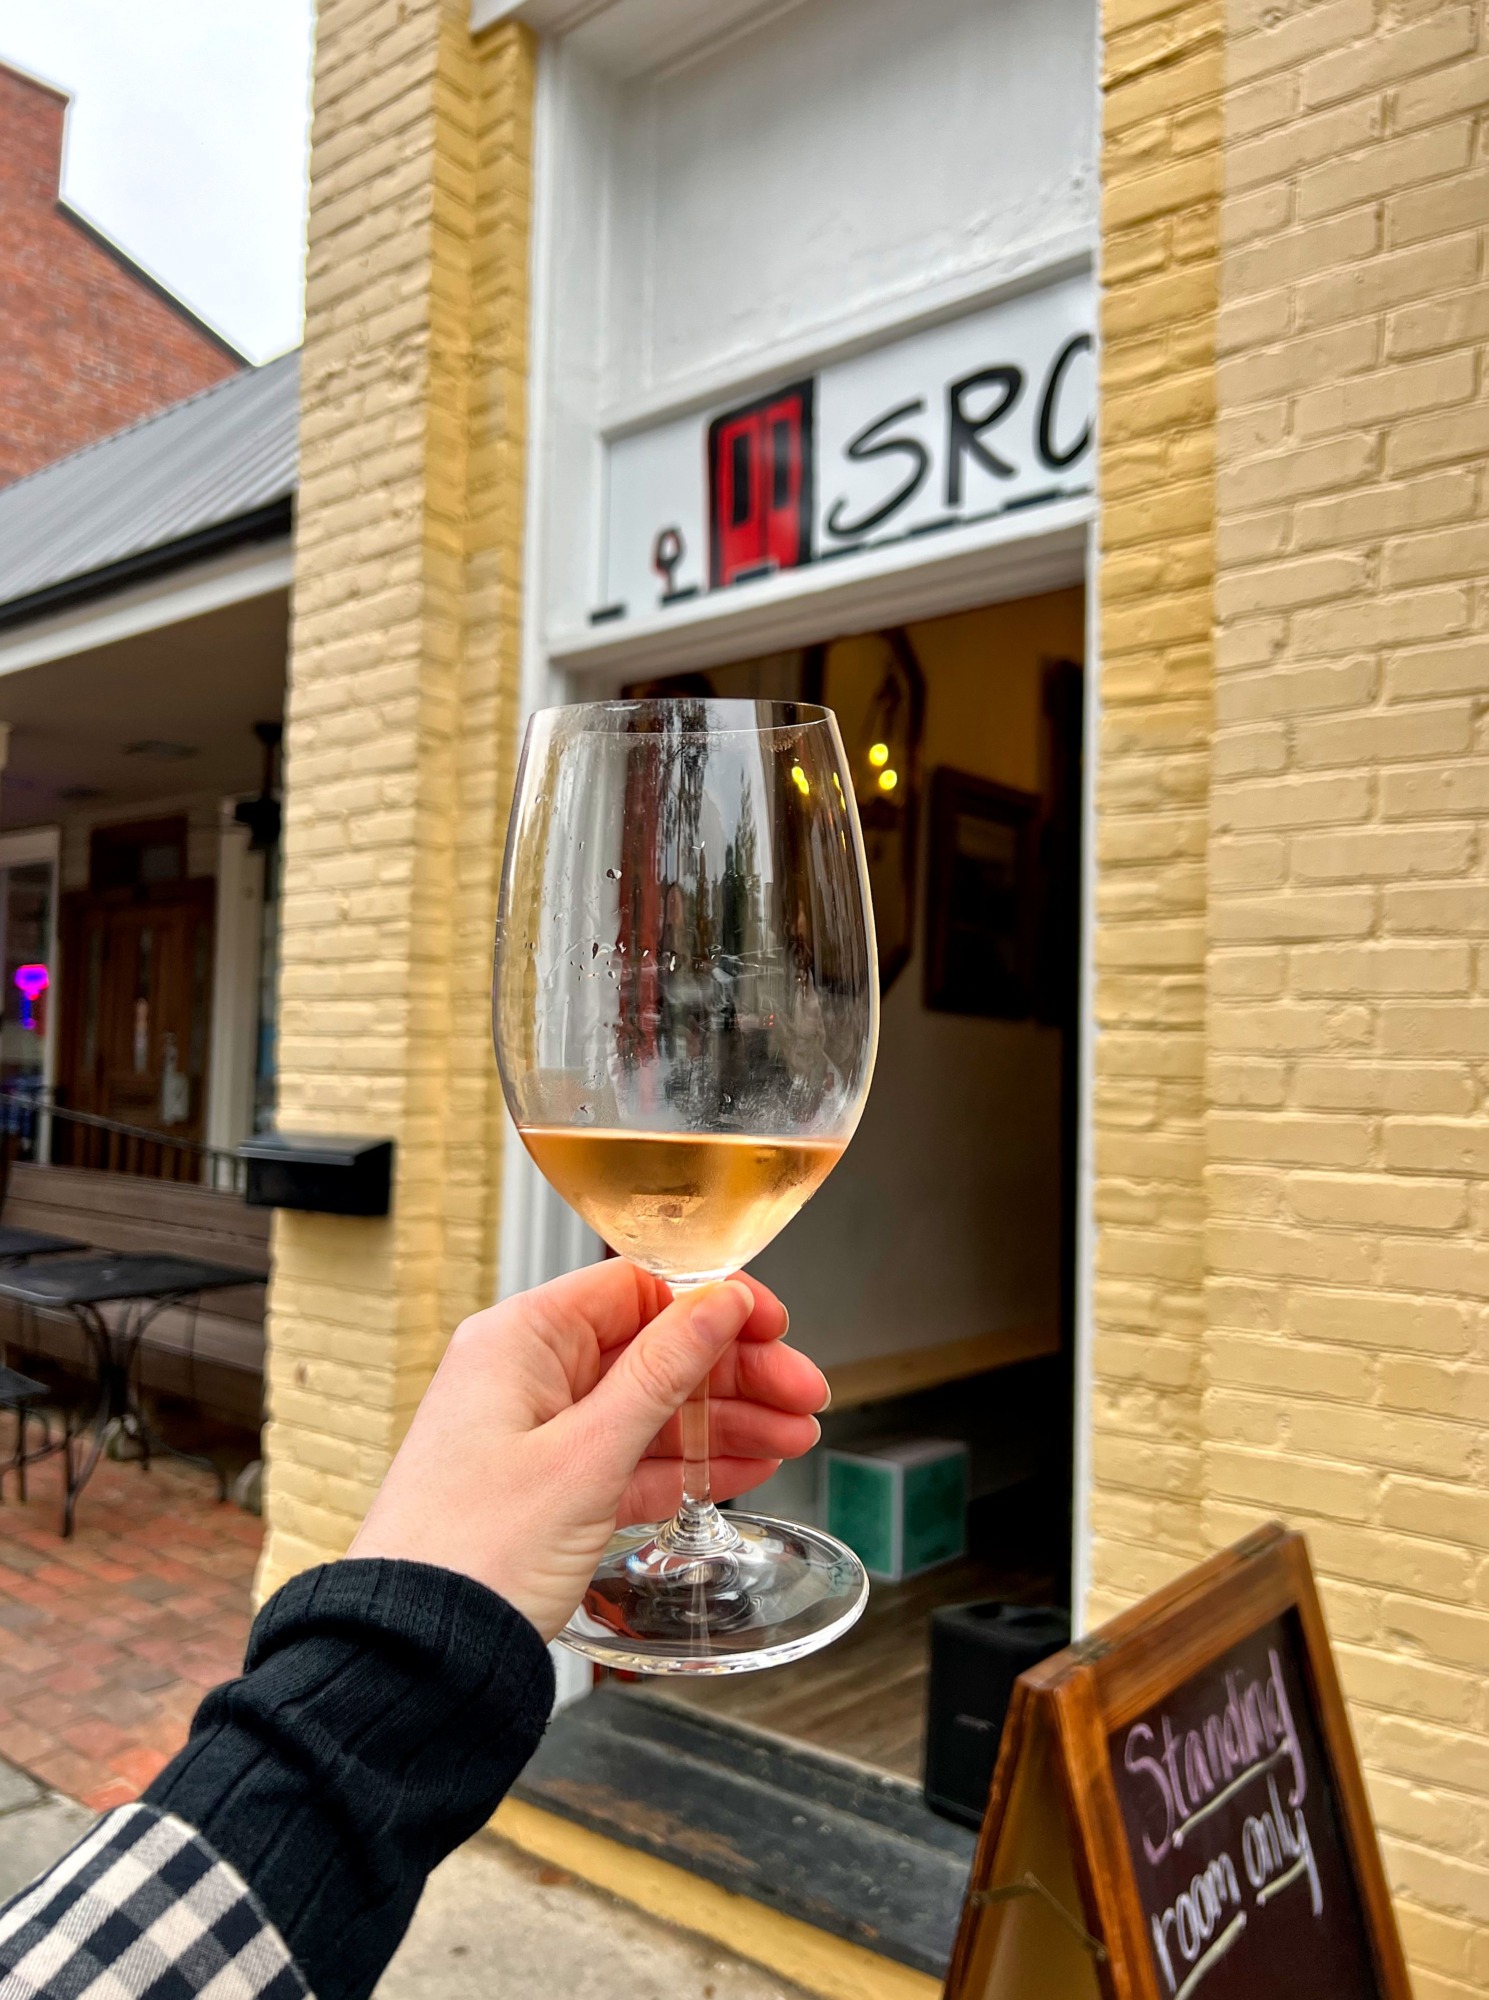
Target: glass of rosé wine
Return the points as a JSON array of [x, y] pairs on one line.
[[685, 1009]]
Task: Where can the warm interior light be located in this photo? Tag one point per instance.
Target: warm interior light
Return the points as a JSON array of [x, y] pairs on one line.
[[799, 779], [888, 780], [878, 755]]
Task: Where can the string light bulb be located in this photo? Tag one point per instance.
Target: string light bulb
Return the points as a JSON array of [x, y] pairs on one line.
[[878, 755], [888, 779]]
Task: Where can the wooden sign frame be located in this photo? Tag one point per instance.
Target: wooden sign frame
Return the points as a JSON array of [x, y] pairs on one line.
[[1053, 1910]]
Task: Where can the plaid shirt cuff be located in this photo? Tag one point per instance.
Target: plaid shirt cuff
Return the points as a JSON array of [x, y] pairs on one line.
[[142, 1909]]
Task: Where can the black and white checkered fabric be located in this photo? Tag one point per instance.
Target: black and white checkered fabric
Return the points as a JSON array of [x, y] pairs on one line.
[[142, 1909]]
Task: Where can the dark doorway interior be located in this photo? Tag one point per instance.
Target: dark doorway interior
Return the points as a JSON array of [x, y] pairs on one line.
[[137, 987], [933, 1275]]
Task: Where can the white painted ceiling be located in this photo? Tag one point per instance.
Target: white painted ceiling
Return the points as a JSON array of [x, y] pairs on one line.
[[202, 683]]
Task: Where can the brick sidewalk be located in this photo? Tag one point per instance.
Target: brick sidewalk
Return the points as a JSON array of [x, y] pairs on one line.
[[108, 1641]]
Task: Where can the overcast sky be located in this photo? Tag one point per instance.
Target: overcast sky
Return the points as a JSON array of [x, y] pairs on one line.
[[186, 143]]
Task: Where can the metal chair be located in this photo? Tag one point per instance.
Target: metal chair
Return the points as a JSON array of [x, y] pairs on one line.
[[22, 1395]]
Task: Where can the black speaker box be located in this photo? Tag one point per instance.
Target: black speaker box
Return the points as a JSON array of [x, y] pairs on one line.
[[978, 1651]]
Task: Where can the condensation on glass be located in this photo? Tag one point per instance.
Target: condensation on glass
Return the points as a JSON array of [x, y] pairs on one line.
[[685, 1007]]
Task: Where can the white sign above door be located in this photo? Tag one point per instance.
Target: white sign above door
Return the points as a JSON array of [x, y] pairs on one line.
[[925, 436]]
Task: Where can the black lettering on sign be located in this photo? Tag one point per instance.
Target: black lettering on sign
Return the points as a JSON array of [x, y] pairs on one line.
[[964, 429], [1049, 408], [1235, 1834], [869, 445]]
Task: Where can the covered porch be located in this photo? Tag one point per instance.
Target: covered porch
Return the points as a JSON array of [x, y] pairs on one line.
[[144, 603]]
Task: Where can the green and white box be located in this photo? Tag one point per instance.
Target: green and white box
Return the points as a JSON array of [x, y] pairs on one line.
[[901, 1508]]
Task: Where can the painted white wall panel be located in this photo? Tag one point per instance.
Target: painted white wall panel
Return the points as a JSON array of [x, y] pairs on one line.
[[848, 153], [803, 191]]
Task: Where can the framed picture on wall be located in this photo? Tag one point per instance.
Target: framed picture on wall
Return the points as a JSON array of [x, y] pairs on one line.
[[873, 683], [981, 892]]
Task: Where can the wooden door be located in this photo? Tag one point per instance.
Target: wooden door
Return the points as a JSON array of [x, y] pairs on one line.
[[136, 983]]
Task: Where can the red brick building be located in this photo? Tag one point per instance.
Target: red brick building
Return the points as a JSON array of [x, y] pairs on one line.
[[89, 342]]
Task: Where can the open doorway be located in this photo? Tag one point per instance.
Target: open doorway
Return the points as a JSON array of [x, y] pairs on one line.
[[933, 1276], [137, 949]]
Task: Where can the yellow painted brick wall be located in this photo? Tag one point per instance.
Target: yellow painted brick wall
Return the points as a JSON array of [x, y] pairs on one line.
[[1160, 167], [1348, 1179], [404, 662]]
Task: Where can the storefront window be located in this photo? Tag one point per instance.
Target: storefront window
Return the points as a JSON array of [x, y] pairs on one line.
[[28, 926]]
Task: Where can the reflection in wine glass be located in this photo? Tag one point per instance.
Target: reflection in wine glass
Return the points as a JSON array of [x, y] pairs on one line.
[[686, 1012]]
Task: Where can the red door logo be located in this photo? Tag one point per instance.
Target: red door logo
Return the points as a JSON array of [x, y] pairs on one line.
[[760, 487]]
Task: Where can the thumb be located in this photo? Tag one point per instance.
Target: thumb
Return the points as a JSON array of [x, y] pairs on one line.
[[661, 1368]]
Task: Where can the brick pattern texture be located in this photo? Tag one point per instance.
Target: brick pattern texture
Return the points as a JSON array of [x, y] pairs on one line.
[[1161, 87], [109, 1641], [1347, 1357], [88, 345], [1292, 1183], [401, 720]]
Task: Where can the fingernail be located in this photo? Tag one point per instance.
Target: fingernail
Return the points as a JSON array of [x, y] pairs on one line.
[[722, 1311], [826, 1404], [818, 1429]]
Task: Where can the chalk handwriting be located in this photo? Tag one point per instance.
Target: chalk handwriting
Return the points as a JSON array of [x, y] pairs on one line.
[[1192, 1774]]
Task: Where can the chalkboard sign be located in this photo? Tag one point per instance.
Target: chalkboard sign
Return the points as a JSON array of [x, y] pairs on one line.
[[1178, 1813], [1236, 1843]]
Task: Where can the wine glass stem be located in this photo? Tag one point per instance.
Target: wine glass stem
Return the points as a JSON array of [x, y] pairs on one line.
[[697, 1486], [697, 1528]]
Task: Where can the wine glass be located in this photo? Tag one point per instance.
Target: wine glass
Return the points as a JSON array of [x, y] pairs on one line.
[[686, 1013]]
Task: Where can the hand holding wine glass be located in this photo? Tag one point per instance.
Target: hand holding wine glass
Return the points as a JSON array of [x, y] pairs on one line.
[[686, 1013], [552, 1418]]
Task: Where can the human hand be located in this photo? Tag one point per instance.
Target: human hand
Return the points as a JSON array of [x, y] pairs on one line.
[[552, 1420]]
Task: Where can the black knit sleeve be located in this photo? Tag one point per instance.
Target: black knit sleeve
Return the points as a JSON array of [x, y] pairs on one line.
[[383, 1711]]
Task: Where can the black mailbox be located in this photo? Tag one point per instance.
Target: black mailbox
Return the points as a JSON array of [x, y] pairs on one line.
[[329, 1173]]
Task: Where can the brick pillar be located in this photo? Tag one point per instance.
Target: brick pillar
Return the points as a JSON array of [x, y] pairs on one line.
[[1160, 178], [1349, 978], [403, 674]]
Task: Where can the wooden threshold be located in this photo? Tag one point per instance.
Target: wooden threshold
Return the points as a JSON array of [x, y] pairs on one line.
[[884, 1376]]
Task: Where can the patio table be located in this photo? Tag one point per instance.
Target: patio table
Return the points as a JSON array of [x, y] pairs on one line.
[[142, 1285], [16, 1245]]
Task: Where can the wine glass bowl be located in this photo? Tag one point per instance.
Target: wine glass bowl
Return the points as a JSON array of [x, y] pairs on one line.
[[685, 1010]]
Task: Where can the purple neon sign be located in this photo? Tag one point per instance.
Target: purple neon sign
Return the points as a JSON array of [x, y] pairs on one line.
[[31, 982]]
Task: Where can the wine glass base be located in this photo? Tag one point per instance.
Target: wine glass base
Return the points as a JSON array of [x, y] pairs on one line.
[[780, 1593]]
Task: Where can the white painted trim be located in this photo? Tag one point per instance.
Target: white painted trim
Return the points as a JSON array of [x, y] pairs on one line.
[[191, 592], [1085, 1142], [1026, 268], [232, 1044], [653, 37], [573, 1676], [549, 104], [1014, 555], [544, 17], [539, 1236], [527, 1222], [1083, 1414]]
